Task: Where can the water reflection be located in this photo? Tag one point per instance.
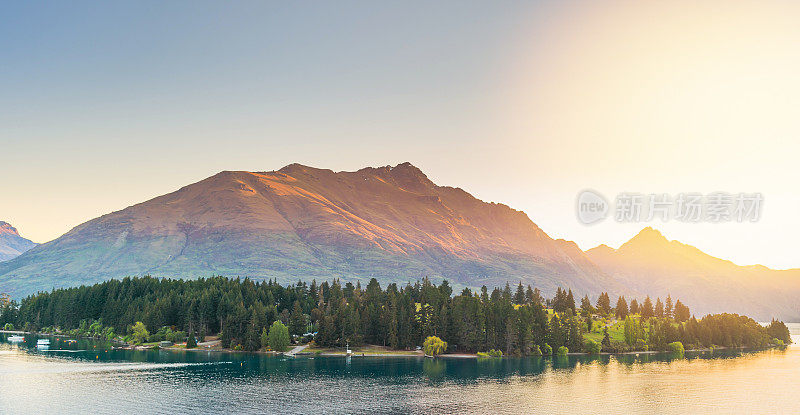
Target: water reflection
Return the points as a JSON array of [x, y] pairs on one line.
[[438, 369], [91, 376]]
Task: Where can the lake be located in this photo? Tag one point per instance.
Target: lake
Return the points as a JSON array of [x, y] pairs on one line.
[[88, 377]]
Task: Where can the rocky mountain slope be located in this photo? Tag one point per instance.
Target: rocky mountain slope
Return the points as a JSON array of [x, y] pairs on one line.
[[650, 263], [300, 222], [391, 223], [12, 244]]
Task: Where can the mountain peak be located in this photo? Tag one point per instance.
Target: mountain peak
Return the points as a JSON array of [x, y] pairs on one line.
[[649, 235], [389, 222], [7, 229], [300, 168], [602, 249], [11, 243]]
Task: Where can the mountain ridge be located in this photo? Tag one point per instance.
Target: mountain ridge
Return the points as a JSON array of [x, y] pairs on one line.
[[303, 222], [651, 263], [392, 223], [12, 244]]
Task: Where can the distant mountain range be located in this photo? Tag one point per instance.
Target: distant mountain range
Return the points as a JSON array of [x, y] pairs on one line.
[[649, 263], [12, 244], [391, 223]]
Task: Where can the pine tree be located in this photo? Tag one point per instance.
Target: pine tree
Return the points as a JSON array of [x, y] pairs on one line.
[[646, 310], [586, 306], [297, 320], [529, 299], [511, 335], [570, 301], [621, 310], [519, 296], [559, 300], [634, 307], [191, 341], [264, 337], [606, 343], [681, 312], [668, 307], [604, 303], [659, 311]]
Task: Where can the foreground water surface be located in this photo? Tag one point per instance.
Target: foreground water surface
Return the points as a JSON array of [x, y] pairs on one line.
[[88, 377]]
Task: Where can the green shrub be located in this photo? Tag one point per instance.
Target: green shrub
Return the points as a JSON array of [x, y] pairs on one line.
[[278, 336], [591, 346], [547, 350], [434, 346], [641, 345], [138, 333], [562, 351], [676, 347], [616, 347], [537, 351], [191, 341], [491, 353]]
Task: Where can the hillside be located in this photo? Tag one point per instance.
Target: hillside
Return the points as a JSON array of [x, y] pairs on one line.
[[12, 244], [300, 222], [652, 264]]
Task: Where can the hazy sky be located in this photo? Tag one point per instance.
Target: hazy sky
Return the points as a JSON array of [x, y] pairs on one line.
[[106, 105]]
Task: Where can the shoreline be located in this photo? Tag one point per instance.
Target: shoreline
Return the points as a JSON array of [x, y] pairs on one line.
[[389, 353]]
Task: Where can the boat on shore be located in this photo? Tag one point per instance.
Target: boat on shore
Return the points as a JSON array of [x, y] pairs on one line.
[[43, 342], [16, 339]]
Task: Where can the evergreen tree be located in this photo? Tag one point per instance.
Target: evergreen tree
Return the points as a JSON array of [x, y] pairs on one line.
[[606, 343], [634, 307], [529, 296], [646, 309], [659, 310], [586, 306], [604, 303], [681, 312], [519, 296], [191, 341], [668, 307], [570, 301], [264, 337], [297, 320], [621, 310]]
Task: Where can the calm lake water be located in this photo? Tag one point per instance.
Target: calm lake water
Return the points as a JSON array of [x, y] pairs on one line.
[[87, 377]]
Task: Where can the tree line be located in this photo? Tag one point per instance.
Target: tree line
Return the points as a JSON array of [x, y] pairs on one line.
[[241, 311]]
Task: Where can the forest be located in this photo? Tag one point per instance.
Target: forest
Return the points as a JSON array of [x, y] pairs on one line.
[[518, 321]]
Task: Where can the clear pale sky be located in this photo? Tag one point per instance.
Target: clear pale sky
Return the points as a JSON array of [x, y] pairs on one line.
[[106, 105]]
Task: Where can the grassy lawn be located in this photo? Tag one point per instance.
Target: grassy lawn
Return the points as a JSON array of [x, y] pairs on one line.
[[366, 349], [616, 331]]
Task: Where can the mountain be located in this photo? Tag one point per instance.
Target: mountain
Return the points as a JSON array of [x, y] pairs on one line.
[[300, 222], [650, 263], [11, 244]]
